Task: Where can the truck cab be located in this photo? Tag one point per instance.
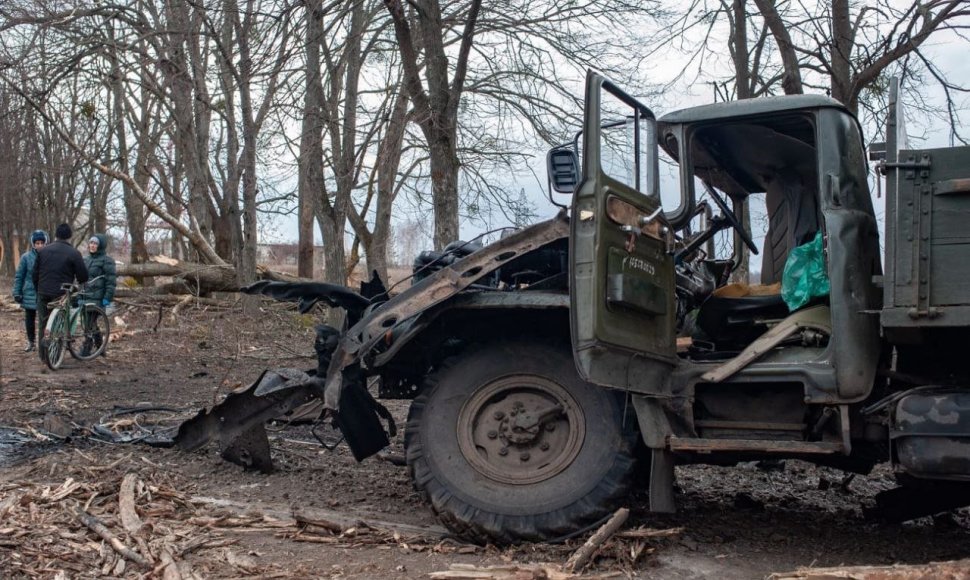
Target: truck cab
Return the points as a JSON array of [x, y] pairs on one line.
[[753, 375]]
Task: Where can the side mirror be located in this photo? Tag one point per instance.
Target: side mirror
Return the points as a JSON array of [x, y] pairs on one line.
[[877, 151], [562, 165]]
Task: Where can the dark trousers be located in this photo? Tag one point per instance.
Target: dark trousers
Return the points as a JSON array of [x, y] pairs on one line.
[[91, 330], [43, 312], [30, 322]]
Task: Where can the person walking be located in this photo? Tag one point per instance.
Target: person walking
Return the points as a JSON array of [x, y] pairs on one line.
[[101, 289], [24, 291], [58, 263]]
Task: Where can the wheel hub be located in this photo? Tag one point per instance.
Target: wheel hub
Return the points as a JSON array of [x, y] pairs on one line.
[[521, 429]]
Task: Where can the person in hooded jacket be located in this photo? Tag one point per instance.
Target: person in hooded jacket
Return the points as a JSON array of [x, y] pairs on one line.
[[101, 271], [24, 291], [100, 291]]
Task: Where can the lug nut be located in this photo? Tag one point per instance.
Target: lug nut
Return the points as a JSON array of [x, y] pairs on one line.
[[524, 457], [503, 451], [550, 426], [492, 434], [544, 446], [499, 415]]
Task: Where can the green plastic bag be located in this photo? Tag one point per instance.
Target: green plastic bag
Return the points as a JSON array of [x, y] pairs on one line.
[[805, 276]]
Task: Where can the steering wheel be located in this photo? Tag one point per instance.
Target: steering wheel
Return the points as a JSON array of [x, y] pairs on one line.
[[731, 218]]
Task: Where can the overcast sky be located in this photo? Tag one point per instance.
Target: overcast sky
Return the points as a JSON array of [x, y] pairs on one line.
[[949, 52]]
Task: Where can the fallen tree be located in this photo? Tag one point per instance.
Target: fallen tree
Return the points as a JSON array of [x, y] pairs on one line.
[[195, 278]]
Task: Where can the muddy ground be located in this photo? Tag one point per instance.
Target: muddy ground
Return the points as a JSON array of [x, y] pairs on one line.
[[740, 522]]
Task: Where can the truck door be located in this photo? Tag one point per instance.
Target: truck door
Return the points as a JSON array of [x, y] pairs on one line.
[[622, 274]]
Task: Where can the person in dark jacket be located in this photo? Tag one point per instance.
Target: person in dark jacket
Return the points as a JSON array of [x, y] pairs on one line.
[[57, 264], [24, 291], [101, 289]]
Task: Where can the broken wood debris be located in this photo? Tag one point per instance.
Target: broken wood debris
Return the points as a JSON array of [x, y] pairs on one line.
[[952, 570], [622, 549], [514, 572], [99, 521], [96, 526], [641, 532], [582, 556]]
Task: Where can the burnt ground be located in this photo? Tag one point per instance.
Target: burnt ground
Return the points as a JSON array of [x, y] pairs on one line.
[[738, 522]]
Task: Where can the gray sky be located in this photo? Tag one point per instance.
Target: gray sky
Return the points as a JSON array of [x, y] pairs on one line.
[[948, 52]]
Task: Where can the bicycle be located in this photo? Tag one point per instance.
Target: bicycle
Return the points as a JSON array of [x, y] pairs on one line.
[[70, 321]]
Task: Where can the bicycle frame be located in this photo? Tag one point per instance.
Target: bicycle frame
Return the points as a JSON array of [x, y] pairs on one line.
[[68, 322]]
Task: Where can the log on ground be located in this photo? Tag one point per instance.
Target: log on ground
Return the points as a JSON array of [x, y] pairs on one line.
[[195, 278], [952, 570]]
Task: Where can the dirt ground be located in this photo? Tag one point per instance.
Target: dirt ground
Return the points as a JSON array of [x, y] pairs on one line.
[[740, 522]]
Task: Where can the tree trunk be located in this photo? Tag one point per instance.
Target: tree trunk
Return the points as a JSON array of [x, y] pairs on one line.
[[739, 50], [182, 90], [841, 73], [437, 107], [134, 209], [8, 258], [334, 256], [98, 221], [247, 164], [199, 278], [743, 90], [792, 80], [340, 113], [310, 160], [444, 188], [304, 256], [388, 162]]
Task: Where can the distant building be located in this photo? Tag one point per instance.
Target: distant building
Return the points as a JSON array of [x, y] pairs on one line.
[[285, 255]]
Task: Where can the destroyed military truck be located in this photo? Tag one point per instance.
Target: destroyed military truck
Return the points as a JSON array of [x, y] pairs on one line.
[[569, 362]]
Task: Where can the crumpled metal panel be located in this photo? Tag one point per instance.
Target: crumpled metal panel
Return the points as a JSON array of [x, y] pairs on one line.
[[236, 423], [443, 284], [278, 379]]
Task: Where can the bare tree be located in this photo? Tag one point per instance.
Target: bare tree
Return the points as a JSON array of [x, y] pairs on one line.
[[848, 47], [436, 103]]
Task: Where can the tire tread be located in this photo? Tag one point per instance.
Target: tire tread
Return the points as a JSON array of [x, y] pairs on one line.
[[481, 526]]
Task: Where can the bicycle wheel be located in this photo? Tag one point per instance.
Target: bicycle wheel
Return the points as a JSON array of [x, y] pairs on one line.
[[93, 329], [55, 336]]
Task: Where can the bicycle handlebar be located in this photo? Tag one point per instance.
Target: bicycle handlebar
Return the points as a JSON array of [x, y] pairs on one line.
[[71, 287]]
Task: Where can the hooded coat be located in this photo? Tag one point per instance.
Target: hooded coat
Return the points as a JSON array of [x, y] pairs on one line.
[[100, 264], [23, 283]]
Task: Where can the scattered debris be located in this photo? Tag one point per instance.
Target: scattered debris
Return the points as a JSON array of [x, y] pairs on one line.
[[96, 526], [126, 505], [513, 572], [952, 570], [326, 520], [99, 522], [649, 533], [582, 556]]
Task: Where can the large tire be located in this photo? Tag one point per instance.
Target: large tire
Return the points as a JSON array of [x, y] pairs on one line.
[[552, 479]]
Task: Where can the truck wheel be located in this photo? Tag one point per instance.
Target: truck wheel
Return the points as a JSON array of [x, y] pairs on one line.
[[508, 444]]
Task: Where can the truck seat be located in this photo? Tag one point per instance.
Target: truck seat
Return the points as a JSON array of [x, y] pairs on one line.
[[792, 219], [734, 322]]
